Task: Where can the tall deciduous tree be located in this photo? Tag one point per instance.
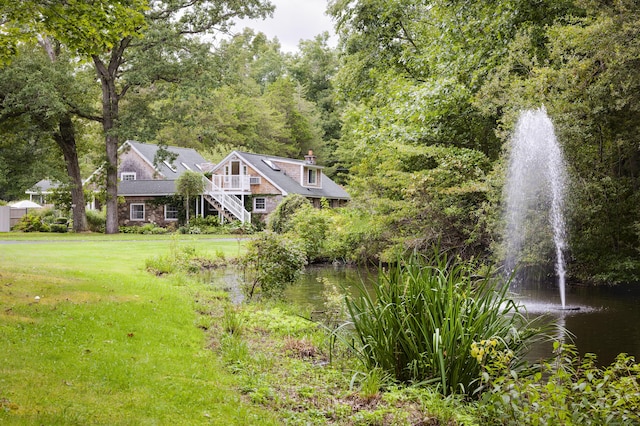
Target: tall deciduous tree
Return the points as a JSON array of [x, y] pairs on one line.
[[37, 90], [314, 68], [84, 29], [168, 37]]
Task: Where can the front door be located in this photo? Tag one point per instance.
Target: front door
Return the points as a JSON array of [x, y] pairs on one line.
[[234, 175]]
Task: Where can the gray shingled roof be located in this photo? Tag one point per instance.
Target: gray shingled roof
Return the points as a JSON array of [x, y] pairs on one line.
[[329, 189], [185, 157], [146, 187], [43, 187]]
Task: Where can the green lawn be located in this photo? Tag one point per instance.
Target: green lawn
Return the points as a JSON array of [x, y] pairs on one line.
[[108, 343]]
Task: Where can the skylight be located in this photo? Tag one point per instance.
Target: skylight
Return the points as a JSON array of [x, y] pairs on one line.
[[169, 165], [271, 164]]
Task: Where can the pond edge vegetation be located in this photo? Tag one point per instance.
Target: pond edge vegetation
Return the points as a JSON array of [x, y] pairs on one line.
[[440, 336]]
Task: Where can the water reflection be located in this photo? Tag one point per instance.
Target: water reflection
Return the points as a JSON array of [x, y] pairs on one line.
[[605, 324]]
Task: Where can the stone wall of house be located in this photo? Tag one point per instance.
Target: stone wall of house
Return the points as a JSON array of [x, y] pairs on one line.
[[152, 213], [271, 202]]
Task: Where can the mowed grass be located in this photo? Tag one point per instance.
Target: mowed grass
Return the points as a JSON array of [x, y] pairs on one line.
[[107, 342]]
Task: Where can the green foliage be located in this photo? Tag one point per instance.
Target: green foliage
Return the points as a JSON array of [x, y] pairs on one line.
[[280, 218], [147, 229], [56, 227], [568, 390], [96, 220], [355, 237], [31, 222], [271, 263], [183, 258], [425, 314], [311, 226], [190, 184]]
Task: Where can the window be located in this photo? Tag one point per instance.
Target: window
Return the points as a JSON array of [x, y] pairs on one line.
[[137, 212], [259, 204], [185, 166], [170, 212], [128, 176], [271, 164], [169, 165], [312, 176], [255, 180]]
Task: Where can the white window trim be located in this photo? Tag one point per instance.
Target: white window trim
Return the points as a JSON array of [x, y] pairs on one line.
[[255, 208], [313, 172], [131, 212], [305, 177], [255, 180], [123, 174], [165, 212]]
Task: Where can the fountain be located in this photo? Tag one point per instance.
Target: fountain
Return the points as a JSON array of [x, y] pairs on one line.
[[535, 193]]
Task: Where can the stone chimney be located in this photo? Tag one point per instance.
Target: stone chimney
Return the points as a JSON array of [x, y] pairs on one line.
[[310, 158]]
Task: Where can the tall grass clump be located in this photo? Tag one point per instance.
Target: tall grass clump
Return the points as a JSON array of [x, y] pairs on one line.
[[427, 317]]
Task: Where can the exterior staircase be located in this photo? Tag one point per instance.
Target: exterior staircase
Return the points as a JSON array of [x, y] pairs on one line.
[[229, 205]]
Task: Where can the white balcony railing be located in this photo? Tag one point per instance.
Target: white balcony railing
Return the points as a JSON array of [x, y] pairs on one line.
[[232, 183]]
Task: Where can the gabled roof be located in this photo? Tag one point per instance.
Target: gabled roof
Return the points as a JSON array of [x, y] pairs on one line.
[[288, 185], [186, 159], [45, 186]]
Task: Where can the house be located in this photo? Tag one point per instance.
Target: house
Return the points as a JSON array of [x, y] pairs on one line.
[[41, 192], [261, 182], [242, 185]]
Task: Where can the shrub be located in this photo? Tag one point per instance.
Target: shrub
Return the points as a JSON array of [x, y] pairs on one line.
[[279, 220], [210, 221], [311, 226], [354, 237], [61, 220], [56, 227], [426, 313], [270, 264], [31, 222], [567, 390], [96, 220]]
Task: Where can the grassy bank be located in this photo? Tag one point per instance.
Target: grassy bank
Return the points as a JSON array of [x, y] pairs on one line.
[[88, 337]]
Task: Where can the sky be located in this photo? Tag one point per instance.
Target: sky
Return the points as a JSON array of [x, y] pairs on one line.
[[292, 21]]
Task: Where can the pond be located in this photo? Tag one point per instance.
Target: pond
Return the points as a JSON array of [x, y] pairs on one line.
[[606, 323]]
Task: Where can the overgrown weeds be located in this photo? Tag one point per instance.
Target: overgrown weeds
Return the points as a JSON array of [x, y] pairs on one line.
[[184, 258]]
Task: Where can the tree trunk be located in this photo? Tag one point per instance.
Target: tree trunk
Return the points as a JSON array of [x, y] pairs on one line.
[[66, 140], [110, 100]]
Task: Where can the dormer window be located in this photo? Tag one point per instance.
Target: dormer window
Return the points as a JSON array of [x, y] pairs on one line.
[[312, 176], [128, 176]]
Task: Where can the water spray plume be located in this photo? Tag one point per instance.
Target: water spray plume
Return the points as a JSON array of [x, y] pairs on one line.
[[535, 189]]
